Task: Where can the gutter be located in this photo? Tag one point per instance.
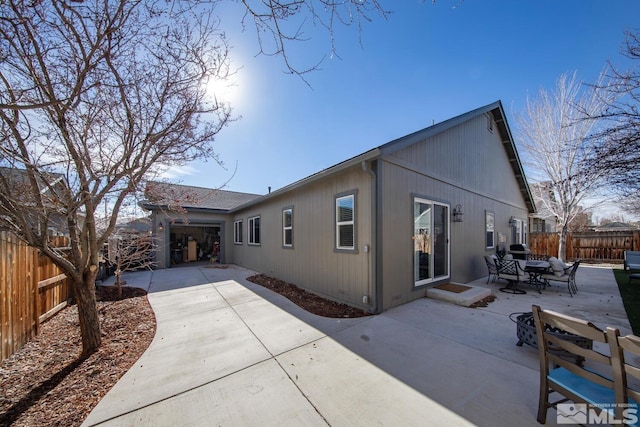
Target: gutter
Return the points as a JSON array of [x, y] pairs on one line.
[[375, 302]]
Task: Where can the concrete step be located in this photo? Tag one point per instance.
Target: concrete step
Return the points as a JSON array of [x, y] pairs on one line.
[[465, 298]]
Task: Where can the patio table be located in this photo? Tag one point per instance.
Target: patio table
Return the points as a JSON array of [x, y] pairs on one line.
[[535, 270]]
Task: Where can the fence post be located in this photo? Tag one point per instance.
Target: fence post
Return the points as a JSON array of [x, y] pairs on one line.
[[36, 291]]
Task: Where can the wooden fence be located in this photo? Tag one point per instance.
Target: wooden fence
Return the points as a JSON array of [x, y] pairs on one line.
[[592, 246], [32, 289]]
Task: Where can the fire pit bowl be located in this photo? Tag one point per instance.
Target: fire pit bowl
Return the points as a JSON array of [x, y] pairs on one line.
[[526, 331]]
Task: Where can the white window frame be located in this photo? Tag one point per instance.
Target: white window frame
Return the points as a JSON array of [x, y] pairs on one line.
[[237, 232], [520, 232], [340, 224], [286, 227], [489, 227], [252, 240]]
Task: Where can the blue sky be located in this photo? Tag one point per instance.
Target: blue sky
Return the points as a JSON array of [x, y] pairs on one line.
[[424, 64]]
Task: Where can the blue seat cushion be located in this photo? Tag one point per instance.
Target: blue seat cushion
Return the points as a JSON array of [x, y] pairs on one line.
[[591, 392], [588, 391]]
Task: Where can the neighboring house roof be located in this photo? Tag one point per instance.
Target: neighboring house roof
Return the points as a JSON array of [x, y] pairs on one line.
[[18, 180], [503, 128], [190, 197], [616, 226], [139, 225]]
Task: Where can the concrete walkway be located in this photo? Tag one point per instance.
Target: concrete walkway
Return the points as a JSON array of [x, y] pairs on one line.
[[230, 353]]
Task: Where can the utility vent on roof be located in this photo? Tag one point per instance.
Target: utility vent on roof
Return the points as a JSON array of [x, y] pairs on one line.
[[489, 122]]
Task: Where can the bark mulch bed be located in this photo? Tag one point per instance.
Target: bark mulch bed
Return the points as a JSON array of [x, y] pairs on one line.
[[46, 383], [310, 302]]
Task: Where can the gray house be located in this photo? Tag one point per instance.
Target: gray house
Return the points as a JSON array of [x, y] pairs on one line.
[[376, 230]]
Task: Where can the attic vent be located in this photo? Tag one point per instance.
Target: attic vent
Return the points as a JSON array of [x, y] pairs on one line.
[[489, 122]]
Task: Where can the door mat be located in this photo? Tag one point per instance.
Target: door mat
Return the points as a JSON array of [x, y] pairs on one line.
[[452, 287]]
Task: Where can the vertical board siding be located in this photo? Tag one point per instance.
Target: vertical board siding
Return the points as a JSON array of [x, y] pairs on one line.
[[22, 301], [464, 165], [313, 264]]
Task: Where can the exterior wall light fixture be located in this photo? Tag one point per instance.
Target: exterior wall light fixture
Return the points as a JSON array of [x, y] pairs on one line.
[[457, 213], [161, 226]]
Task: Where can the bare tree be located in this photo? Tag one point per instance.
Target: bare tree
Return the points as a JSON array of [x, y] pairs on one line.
[[129, 251], [618, 150], [92, 96], [280, 24], [95, 94], [556, 142]]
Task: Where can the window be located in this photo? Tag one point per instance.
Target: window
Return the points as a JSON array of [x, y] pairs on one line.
[[490, 230], [345, 223], [519, 232], [254, 230], [237, 232], [287, 228]]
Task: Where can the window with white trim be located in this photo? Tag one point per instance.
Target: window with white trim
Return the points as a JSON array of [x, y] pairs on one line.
[[519, 232], [237, 232], [287, 228], [254, 230], [490, 230], [345, 222]]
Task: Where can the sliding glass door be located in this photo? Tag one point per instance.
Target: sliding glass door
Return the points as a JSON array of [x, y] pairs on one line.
[[430, 241]]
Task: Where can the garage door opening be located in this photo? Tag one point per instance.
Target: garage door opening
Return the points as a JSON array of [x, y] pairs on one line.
[[192, 243]]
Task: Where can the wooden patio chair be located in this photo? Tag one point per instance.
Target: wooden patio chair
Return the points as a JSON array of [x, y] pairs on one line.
[[627, 374], [589, 382]]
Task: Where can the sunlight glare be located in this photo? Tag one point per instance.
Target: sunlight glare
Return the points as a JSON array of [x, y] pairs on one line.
[[224, 90]]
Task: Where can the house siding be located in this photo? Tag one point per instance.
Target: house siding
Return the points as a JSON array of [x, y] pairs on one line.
[[468, 160], [313, 263], [464, 165]]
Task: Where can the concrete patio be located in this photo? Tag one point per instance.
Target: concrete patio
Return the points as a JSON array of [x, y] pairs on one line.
[[229, 352]]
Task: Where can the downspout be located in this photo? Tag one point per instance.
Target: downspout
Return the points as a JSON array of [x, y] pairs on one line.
[[374, 303]]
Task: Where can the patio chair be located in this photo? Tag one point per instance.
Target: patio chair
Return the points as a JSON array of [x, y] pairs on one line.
[[625, 373], [512, 271], [492, 267], [631, 260], [589, 383], [563, 273]]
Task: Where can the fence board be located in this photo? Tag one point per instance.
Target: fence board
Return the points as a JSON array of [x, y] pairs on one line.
[[23, 303], [594, 246]]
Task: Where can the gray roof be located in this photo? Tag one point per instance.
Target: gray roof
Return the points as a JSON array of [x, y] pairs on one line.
[[229, 201], [494, 108], [189, 197]]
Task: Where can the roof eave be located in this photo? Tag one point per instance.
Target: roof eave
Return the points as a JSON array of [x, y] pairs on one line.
[[514, 159], [151, 206], [364, 157]]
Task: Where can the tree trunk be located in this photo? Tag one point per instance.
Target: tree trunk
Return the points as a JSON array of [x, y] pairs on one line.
[[119, 283], [562, 244], [88, 313]]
